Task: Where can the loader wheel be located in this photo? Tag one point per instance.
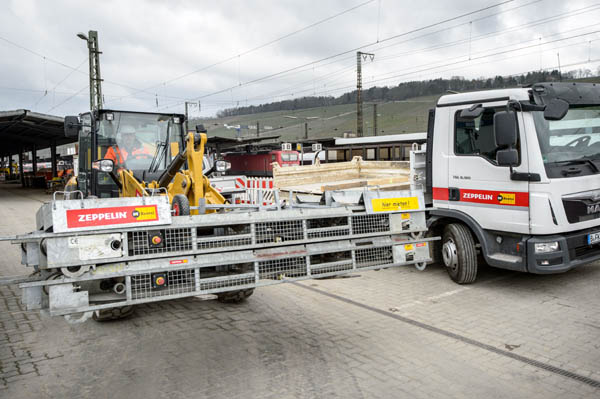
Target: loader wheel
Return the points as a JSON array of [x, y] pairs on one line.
[[458, 253], [113, 314], [180, 205], [234, 296]]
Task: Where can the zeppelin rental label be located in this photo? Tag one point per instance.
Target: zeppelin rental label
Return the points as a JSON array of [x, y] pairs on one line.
[[394, 204], [111, 216]]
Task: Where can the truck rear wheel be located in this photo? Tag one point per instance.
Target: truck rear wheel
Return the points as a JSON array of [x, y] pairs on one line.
[[458, 253], [235, 296]]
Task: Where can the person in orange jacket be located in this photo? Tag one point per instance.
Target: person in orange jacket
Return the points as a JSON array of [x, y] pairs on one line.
[[128, 146]]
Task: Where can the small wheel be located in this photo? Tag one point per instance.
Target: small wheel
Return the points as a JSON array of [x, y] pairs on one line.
[[420, 266], [74, 271], [235, 296], [119, 313], [180, 205], [458, 253], [416, 234]]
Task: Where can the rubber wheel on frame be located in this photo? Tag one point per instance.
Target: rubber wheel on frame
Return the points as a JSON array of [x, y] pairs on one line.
[[180, 205], [122, 312], [234, 296], [458, 253]]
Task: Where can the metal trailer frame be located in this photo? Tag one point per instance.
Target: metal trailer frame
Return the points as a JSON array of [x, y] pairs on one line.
[[83, 271]]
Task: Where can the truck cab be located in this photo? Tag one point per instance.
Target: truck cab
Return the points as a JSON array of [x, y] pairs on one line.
[[514, 174]]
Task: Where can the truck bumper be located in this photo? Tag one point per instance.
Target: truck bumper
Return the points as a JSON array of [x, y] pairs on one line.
[[574, 251]]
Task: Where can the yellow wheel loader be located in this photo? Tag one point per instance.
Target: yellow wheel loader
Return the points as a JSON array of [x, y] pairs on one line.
[[133, 154]]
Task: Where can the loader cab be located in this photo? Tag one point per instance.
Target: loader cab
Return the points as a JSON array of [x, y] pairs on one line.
[[144, 143]]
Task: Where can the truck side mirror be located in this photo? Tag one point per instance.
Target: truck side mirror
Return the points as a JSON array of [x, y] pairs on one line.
[[508, 157], [505, 135], [72, 126], [556, 109], [505, 129]]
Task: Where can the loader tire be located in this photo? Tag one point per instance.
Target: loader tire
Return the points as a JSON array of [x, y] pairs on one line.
[[459, 254], [180, 205], [235, 296], [122, 312]]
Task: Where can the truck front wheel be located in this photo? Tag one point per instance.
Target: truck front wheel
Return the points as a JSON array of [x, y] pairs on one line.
[[458, 253]]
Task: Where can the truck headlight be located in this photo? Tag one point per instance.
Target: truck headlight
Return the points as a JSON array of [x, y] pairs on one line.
[[546, 247]]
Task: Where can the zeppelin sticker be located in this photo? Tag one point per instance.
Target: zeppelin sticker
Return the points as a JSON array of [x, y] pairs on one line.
[[394, 204], [111, 216]]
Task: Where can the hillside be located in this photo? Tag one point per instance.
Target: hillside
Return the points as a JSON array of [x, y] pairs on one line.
[[406, 116]]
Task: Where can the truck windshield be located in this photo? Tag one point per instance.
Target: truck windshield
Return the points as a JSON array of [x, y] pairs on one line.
[[138, 141], [573, 139]]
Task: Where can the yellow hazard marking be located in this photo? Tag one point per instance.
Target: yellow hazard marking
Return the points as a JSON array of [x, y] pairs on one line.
[[394, 204], [406, 216], [506, 198], [146, 213], [408, 247]]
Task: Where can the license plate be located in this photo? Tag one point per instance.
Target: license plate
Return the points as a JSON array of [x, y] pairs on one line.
[[593, 238]]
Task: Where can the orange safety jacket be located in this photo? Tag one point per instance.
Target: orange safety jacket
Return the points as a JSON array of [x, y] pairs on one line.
[[119, 155]]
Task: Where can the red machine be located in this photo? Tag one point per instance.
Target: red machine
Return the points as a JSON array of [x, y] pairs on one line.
[[259, 164]]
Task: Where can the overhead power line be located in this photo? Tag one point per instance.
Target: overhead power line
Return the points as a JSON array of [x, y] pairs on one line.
[[296, 89], [347, 51], [259, 47]]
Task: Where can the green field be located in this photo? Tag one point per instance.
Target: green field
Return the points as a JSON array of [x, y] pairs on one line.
[[407, 116]]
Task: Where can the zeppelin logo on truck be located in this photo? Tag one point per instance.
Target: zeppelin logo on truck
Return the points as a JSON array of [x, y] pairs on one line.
[[111, 216], [490, 197]]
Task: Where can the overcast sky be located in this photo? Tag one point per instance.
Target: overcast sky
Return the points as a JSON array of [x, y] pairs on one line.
[[157, 54]]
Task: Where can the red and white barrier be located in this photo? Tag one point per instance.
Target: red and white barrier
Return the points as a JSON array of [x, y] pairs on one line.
[[258, 189]]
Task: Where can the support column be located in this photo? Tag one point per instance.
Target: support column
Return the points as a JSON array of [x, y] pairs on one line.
[[34, 159], [22, 176], [53, 159]]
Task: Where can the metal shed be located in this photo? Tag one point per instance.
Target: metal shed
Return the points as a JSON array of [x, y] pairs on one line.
[[23, 130]]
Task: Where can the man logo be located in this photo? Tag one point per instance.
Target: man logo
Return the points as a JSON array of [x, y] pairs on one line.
[[594, 208], [507, 198]]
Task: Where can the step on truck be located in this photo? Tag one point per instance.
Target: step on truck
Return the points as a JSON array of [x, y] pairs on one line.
[[514, 175]]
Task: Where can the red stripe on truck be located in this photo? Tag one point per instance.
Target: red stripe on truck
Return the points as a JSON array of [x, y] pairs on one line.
[[491, 197]]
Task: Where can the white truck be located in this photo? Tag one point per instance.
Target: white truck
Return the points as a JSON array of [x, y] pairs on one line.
[[516, 173]]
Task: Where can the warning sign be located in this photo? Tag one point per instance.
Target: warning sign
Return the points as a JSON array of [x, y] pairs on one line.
[[394, 204]]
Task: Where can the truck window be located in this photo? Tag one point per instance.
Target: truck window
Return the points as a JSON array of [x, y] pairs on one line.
[[476, 136]]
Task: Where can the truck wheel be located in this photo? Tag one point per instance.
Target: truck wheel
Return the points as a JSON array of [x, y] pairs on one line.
[[180, 205], [458, 253], [122, 312], [234, 296]]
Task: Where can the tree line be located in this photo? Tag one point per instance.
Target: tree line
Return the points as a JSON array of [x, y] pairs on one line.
[[408, 90]]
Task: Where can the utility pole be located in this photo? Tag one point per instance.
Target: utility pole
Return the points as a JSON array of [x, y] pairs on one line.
[[375, 119], [359, 113], [95, 79], [306, 130]]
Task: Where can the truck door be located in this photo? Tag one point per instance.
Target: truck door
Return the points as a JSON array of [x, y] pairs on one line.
[[479, 187]]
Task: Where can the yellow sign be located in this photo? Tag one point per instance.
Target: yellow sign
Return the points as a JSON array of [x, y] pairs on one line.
[[394, 204], [405, 216], [408, 247], [506, 198], [145, 213]]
